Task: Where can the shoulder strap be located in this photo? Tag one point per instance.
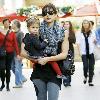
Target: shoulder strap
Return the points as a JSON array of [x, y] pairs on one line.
[[5, 38]]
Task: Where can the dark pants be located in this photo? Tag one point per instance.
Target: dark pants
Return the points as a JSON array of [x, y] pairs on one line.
[[67, 81], [88, 65], [5, 73]]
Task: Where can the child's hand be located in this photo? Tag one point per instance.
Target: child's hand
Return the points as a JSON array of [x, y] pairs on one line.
[[46, 40], [19, 58]]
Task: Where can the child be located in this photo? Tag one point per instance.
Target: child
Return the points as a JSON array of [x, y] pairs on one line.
[[34, 45]]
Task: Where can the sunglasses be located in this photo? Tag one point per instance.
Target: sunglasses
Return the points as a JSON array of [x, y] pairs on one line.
[[49, 12]]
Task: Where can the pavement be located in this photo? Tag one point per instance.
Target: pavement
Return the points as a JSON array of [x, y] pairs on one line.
[[77, 91]]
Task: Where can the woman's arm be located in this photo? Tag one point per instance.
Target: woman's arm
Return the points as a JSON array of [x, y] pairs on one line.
[[23, 52], [79, 51], [61, 56]]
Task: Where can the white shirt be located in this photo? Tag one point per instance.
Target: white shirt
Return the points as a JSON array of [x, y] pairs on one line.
[[80, 40]]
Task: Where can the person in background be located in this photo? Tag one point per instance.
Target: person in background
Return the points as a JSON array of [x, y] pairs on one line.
[[92, 25], [98, 37], [93, 32], [62, 23], [17, 64], [43, 76], [71, 38], [11, 46], [86, 42]]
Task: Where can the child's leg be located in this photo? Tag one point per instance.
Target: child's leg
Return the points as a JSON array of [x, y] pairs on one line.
[[55, 67]]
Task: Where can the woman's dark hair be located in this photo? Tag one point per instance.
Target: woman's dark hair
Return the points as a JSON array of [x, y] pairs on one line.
[[71, 32], [92, 22], [49, 6], [83, 29]]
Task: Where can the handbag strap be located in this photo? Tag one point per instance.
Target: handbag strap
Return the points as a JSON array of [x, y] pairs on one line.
[[5, 38]]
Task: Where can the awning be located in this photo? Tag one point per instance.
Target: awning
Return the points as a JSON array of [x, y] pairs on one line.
[[13, 16], [86, 10]]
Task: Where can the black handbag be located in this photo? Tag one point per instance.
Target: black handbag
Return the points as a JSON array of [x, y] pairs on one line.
[[3, 54], [68, 67], [2, 51]]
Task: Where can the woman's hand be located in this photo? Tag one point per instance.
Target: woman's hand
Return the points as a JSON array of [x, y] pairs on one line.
[[95, 41], [19, 57], [43, 61], [34, 60]]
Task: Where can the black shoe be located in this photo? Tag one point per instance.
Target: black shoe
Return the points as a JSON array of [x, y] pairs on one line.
[[2, 87], [7, 88], [66, 84], [85, 80], [69, 85], [61, 76], [91, 84]]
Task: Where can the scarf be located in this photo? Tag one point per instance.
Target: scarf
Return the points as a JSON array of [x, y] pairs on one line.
[[54, 35], [87, 43]]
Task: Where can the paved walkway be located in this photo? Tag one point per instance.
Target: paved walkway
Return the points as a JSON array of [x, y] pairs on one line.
[[78, 91]]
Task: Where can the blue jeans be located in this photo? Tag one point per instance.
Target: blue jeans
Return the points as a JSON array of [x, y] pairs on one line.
[[17, 70], [98, 36], [41, 89]]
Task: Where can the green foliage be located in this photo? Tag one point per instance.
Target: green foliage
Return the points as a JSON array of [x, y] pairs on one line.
[[77, 27], [67, 9], [26, 11]]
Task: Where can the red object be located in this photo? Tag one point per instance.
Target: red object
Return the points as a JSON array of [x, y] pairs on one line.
[[66, 15], [55, 67], [13, 16], [11, 44]]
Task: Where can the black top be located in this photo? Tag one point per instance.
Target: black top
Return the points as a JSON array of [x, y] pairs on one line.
[[46, 72], [71, 41], [87, 44], [34, 45], [19, 36]]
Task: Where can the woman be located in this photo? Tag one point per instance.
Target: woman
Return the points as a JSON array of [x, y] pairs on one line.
[[11, 46], [71, 38], [86, 41], [44, 77]]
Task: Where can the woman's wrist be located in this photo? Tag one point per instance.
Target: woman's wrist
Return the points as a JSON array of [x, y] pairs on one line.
[[48, 59]]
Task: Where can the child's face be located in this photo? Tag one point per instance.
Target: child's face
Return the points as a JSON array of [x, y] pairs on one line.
[[34, 29]]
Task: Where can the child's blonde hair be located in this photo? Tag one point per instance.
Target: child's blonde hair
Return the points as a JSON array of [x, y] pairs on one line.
[[32, 20]]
